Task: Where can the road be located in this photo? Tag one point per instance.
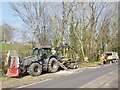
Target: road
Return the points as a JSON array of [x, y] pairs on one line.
[[80, 79]]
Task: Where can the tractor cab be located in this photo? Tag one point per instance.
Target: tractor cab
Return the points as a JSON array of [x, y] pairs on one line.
[[42, 52]]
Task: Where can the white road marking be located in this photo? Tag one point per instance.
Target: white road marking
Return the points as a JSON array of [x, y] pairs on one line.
[[31, 84], [95, 80]]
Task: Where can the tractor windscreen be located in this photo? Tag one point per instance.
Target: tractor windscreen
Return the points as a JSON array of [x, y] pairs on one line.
[[37, 52], [108, 54], [46, 51]]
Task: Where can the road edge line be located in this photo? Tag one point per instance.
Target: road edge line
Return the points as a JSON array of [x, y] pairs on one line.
[[31, 84], [96, 79]]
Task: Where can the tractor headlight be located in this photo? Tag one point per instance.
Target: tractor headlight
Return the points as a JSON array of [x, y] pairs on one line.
[[21, 63]]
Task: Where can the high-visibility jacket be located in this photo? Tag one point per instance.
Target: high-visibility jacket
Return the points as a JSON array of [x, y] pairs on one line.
[[102, 58]]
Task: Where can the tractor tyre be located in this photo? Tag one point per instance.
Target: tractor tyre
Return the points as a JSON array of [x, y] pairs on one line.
[[53, 65], [72, 66], [76, 64], [35, 69]]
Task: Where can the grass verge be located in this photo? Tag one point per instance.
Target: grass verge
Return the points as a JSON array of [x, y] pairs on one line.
[[89, 64]]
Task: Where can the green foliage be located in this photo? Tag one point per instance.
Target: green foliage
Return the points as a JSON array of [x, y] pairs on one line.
[[74, 43], [73, 37], [89, 64]]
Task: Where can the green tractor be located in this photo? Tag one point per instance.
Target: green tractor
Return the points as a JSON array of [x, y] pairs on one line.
[[44, 59], [41, 59]]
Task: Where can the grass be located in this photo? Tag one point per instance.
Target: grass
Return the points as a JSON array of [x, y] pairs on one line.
[[89, 64], [93, 63], [22, 50], [5, 78]]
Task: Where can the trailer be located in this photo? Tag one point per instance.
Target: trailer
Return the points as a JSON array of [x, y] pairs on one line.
[[68, 56]]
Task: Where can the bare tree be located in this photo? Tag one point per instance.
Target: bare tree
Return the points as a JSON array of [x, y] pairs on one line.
[[33, 15], [67, 10], [6, 33]]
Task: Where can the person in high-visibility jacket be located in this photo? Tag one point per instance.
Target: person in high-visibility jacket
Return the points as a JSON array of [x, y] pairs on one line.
[[102, 59]]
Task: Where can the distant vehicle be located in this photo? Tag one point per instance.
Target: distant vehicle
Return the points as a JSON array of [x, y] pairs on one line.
[[111, 57]]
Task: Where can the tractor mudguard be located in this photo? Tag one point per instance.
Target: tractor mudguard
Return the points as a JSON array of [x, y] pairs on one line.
[[28, 60]]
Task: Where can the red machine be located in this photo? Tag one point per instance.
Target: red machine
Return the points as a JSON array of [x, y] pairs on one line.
[[13, 70]]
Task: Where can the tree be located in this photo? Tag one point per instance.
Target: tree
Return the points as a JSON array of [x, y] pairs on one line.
[[73, 37], [7, 33], [67, 9], [34, 17], [90, 27]]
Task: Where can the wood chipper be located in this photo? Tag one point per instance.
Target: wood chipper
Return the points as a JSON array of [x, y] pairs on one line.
[[42, 59]]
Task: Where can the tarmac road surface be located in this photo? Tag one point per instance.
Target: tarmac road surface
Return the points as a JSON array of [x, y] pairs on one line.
[[82, 79]]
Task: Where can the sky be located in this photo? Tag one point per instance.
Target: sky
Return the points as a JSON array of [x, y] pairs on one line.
[[58, 0], [6, 12], [7, 16]]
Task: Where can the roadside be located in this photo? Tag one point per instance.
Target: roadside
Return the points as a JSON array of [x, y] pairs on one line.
[[16, 82], [6, 81]]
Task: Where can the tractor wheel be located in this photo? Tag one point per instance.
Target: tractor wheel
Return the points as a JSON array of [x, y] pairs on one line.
[[35, 69], [72, 65], [53, 65], [76, 65]]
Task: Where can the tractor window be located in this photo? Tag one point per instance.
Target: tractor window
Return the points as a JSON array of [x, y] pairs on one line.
[[47, 51], [40, 52], [108, 54], [35, 52]]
